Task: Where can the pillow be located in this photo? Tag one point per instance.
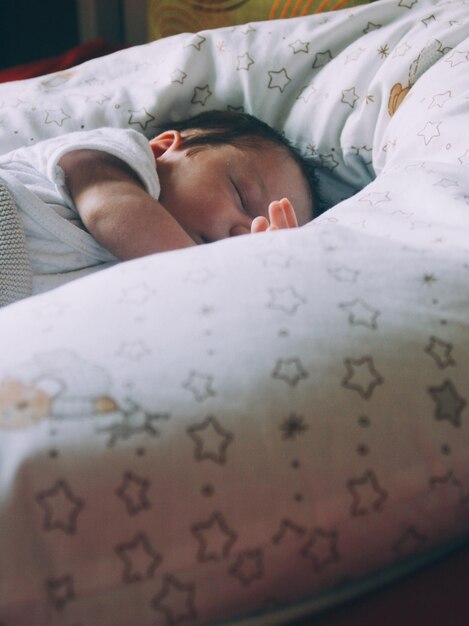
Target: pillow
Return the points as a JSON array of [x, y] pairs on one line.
[[266, 423], [170, 17]]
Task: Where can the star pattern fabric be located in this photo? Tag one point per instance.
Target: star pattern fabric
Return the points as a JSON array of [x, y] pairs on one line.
[[279, 79], [248, 567], [361, 313], [244, 62], [175, 601], [211, 440], [200, 385], [61, 508], [140, 117], [287, 300], [215, 538], [368, 495], [201, 95], [139, 558], [289, 370], [449, 405], [54, 116], [133, 491], [362, 376], [321, 549]]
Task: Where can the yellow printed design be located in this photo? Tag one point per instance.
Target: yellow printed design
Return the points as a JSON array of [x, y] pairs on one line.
[[396, 97], [170, 17]]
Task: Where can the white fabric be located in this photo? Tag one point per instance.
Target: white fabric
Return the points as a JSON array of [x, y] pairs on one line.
[[270, 418], [59, 247]]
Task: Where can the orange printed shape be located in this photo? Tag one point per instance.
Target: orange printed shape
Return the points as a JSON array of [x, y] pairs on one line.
[[397, 95]]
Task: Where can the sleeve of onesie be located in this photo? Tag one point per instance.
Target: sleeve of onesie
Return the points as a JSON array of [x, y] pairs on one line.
[[127, 145]]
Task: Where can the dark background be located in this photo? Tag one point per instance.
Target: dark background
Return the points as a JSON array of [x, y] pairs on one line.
[[32, 30]]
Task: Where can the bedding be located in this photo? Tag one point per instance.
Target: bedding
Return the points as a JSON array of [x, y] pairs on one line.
[[254, 429]]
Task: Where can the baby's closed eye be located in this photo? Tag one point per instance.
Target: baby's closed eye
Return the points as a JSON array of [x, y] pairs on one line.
[[240, 196]]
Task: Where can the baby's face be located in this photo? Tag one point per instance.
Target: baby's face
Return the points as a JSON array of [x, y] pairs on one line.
[[218, 191]]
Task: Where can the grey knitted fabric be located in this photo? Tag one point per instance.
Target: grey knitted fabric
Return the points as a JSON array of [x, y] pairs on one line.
[[16, 277]]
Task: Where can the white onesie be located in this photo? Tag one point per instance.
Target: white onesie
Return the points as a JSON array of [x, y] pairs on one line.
[[59, 247]]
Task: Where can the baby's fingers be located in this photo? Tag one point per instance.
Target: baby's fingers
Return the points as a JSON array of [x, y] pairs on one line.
[[282, 214], [259, 224], [290, 214], [277, 215]]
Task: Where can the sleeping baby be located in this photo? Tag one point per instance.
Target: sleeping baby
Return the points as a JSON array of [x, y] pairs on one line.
[[88, 199]]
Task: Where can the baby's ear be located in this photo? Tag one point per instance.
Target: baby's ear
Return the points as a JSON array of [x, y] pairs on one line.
[[169, 140]]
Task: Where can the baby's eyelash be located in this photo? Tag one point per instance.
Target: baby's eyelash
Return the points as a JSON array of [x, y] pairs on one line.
[[241, 199]]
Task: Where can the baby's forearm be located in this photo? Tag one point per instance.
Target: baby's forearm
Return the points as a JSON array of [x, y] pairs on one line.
[[115, 208], [130, 223]]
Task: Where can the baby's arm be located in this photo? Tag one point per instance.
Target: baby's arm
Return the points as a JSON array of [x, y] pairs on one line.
[[116, 209], [281, 215]]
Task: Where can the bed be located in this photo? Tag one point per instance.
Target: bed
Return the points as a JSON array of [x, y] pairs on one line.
[[257, 429]]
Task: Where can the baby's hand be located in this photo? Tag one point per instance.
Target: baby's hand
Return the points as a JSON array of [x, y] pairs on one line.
[[281, 215]]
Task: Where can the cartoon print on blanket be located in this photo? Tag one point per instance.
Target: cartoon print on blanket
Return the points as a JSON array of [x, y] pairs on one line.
[[426, 58], [53, 385], [61, 385]]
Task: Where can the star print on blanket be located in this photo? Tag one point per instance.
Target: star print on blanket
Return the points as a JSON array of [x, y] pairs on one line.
[[131, 450]]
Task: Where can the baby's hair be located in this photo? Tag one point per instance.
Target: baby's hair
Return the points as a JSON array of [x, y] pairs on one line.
[[217, 127]]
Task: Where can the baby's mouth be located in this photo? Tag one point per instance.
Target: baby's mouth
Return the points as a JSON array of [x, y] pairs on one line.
[[198, 238]]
